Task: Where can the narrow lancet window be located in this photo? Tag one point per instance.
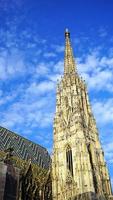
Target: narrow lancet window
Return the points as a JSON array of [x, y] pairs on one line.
[[69, 159]]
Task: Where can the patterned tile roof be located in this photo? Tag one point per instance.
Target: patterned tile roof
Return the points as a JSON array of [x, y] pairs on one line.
[[24, 148]]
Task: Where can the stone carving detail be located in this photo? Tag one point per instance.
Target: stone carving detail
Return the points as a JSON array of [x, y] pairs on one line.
[[67, 111], [8, 156], [74, 120], [21, 180], [68, 177]]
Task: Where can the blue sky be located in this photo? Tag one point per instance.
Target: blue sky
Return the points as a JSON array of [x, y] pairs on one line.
[[31, 61]]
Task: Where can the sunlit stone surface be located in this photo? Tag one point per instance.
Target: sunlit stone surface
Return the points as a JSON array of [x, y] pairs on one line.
[[78, 166]]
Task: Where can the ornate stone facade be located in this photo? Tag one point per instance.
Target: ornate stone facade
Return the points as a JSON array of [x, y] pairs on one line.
[[22, 180], [78, 167]]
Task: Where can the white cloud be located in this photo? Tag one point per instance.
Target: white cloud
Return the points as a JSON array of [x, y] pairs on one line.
[[10, 120], [100, 80], [49, 55], [108, 148], [58, 48], [41, 88], [97, 71], [33, 107], [59, 67], [51, 70], [28, 114], [11, 64], [107, 62], [54, 78], [42, 69], [90, 63], [7, 98], [103, 111]]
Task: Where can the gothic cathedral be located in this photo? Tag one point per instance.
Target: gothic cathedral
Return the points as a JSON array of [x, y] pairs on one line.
[[78, 167]]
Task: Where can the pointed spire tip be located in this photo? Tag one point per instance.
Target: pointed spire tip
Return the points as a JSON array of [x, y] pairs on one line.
[[67, 33]]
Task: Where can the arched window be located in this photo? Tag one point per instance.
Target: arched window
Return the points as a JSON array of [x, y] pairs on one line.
[[69, 159]]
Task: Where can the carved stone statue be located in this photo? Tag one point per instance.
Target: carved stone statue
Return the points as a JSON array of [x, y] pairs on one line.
[[9, 155]]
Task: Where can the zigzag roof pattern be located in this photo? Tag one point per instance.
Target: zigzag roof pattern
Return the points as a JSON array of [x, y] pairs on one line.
[[24, 148]]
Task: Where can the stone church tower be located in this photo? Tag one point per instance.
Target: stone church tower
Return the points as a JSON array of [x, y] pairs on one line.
[[78, 167]]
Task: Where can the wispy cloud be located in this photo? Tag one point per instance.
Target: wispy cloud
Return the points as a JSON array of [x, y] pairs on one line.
[[97, 71], [58, 48], [103, 111], [11, 64], [41, 88], [102, 32], [49, 55], [108, 148]]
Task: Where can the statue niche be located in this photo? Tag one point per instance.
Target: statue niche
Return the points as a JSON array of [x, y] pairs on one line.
[[67, 111]]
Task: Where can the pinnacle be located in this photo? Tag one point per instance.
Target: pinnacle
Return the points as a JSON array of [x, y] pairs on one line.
[[67, 33], [69, 65]]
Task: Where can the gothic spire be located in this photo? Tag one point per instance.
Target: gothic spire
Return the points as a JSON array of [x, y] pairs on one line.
[[69, 63]]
